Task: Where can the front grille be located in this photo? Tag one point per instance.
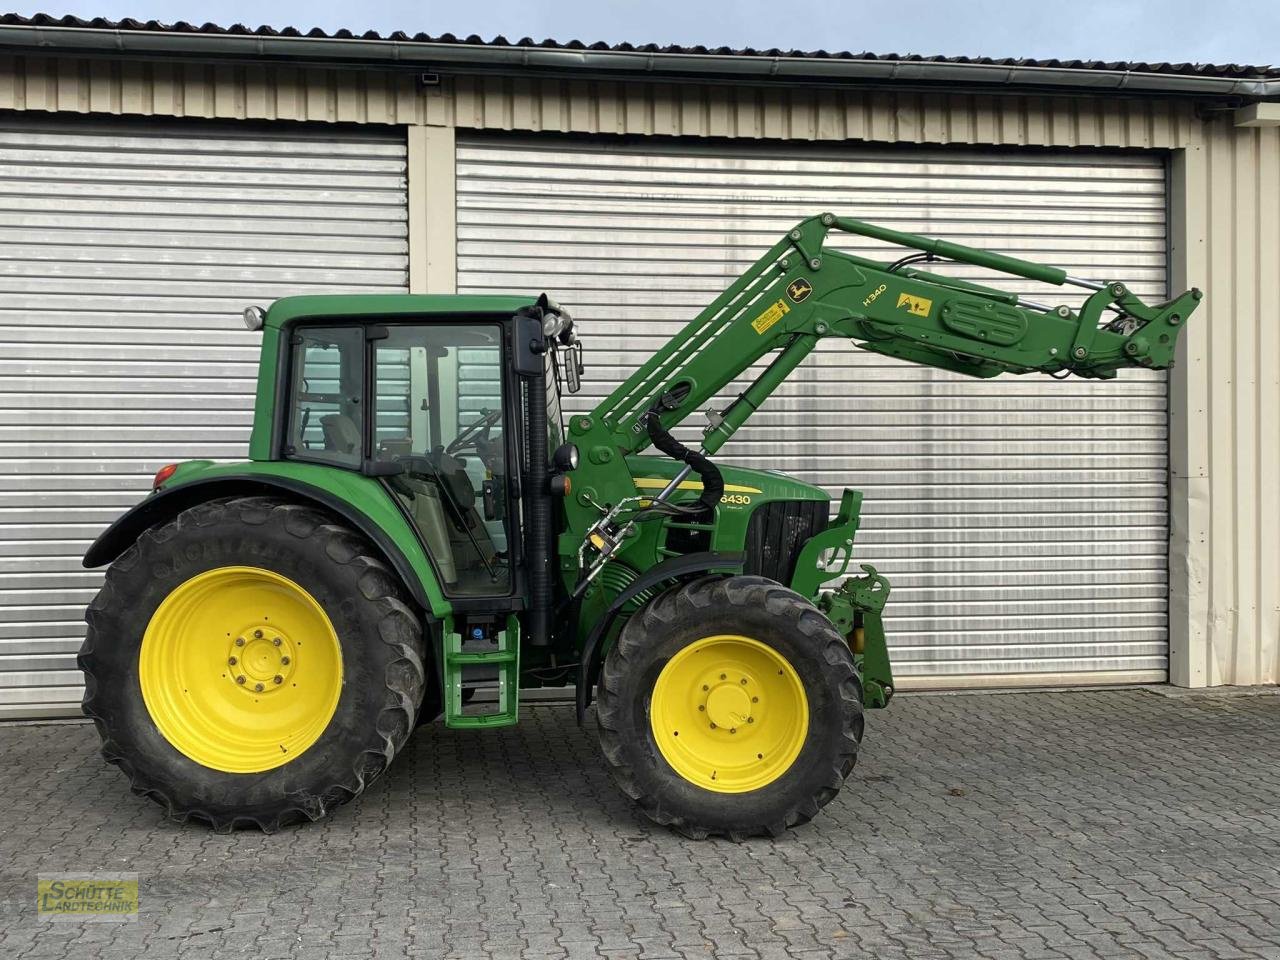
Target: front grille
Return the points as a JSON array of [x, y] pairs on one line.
[[776, 534]]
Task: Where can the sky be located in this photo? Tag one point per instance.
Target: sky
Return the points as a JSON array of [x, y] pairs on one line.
[[1204, 31]]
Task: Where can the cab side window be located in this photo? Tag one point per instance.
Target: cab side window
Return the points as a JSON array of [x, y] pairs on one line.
[[327, 380]]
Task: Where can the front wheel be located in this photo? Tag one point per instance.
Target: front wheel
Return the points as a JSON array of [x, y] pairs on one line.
[[730, 706]]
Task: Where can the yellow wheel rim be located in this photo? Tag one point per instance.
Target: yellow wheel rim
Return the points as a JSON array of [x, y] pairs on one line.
[[240, 669], [729, 714]]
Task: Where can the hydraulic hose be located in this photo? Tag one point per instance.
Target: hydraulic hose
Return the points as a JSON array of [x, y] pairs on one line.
[[708, 472]]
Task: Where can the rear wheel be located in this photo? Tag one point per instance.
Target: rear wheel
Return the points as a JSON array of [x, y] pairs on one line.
[[730, 706], [251, 663]]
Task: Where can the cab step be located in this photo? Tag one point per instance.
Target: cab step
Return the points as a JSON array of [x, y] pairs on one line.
[[460, 653]]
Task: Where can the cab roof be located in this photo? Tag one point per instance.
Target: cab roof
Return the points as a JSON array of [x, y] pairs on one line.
[[356, 305]]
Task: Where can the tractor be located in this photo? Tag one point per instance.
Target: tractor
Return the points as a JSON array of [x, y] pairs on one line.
[[419, 519]]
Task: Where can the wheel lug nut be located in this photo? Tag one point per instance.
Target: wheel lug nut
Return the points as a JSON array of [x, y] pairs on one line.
[[705, 687], [239, 641], [755, 699], [240, 679], [279, 679], [258, 687], [733, 729], [257, 634], [743, 681], [285, 661], [723, 676], [701, 707], [751, 719], [713, 726], [232, 661], [277, 642]]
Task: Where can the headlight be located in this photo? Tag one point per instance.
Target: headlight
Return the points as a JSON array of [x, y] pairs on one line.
[[253, 317], [566, 457]]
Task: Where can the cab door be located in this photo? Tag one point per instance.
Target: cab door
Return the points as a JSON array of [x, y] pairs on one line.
[[440, 412]]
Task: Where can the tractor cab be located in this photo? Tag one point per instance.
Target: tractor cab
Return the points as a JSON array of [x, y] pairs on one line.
[[436, 404]]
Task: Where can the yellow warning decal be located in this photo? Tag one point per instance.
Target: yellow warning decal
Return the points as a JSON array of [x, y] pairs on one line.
[[770, 316], [919, 306]]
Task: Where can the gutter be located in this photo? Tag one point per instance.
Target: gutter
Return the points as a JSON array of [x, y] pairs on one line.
[[617, 63]]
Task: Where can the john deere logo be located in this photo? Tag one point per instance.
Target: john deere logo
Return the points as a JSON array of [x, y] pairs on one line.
[[799, 290]]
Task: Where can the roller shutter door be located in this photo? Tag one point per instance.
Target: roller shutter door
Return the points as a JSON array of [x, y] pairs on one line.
[[127, 252], [1023, 521]]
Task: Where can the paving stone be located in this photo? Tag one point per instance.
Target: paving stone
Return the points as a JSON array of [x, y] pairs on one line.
[[1023, 826]]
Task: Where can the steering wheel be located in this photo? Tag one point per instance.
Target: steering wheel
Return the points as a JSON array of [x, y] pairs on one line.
[[476, 434]]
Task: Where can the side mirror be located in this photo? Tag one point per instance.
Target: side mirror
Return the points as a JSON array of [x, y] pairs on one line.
[[572, 360], [528, 347]]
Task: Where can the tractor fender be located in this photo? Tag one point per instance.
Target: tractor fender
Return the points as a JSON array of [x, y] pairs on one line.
[[163, 505], [673, 570]]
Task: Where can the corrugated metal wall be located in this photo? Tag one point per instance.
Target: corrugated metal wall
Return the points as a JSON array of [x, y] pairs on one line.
[[1023, 521], [127, 252], [1225, 617], [1226, 481]]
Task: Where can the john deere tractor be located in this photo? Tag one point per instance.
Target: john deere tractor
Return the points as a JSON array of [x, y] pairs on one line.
[[418, 519]]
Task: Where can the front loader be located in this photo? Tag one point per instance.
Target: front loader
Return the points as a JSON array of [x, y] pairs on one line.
[[418, 519]]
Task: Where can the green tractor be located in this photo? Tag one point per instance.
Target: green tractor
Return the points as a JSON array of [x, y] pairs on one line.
[[419, 519]]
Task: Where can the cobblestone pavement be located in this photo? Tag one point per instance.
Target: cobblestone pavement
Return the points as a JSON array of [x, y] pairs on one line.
[[1087, 824]]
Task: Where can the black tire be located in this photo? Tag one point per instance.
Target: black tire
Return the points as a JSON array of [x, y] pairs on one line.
[[380, 640], [784, 621]]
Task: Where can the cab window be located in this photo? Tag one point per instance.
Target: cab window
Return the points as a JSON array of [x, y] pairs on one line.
[[327, 381]]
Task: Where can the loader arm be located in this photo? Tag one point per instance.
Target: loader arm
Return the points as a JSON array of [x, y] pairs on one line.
[[800, 292]]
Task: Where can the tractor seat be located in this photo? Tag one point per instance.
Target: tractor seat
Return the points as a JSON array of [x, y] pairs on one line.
[[341, 434]]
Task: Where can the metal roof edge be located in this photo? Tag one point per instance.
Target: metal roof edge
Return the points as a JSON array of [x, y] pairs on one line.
[[391, 53]]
